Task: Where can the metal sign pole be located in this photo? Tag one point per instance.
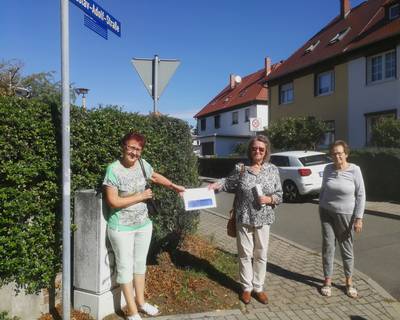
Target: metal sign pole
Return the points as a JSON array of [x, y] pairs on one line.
[[155, 82], [66, 179]]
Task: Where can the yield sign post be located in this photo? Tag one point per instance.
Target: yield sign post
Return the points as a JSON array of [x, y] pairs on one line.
[[155, 74]]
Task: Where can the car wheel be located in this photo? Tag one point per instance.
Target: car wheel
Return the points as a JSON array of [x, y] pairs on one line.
[[290, 192]]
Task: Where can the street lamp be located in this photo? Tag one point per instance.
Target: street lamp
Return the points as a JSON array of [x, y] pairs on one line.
[[82, 91]]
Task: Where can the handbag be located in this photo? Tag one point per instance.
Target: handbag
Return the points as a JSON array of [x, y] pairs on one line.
[[151, 204], [231, 225]]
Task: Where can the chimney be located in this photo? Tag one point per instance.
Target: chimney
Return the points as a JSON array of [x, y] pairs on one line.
[[345, 8], [267, 63], [232, 82]]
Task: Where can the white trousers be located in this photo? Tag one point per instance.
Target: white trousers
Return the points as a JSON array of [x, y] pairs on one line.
[[252, 244]]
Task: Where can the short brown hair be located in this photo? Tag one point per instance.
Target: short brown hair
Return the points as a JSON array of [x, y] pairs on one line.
[[267, 143], [342, 143], [134, 136]]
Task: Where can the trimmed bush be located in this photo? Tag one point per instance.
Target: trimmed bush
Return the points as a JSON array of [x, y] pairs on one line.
[[386, 133], [29, 193], [380, 168], [301, 133], [218, 167], [30, 162]]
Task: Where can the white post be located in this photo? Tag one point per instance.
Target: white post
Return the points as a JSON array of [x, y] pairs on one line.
[[66, 179]]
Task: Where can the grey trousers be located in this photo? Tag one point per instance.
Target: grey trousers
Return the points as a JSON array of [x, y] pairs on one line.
[[336, 226]]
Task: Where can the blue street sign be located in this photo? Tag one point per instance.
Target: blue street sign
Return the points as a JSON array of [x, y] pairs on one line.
[[95, 11], [99, 28]]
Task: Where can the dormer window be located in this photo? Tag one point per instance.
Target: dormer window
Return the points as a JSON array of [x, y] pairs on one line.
[[394, 11], [339, 36], [312, 47]]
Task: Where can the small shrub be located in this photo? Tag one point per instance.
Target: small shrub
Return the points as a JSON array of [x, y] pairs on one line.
[[303, 133], [4, 316], [386, 133]]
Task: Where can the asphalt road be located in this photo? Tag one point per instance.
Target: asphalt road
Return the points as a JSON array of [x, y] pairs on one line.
[[377, 248]]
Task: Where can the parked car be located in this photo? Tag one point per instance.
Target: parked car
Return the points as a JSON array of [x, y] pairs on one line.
[[300, 172]]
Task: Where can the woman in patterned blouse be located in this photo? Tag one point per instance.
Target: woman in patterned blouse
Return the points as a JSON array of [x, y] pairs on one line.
[[254, 214]]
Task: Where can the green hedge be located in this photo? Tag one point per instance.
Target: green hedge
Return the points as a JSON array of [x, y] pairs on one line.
[[30, 178], [381, 172]]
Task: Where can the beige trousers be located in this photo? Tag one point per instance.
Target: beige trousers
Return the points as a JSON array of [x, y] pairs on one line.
[[252, 244]]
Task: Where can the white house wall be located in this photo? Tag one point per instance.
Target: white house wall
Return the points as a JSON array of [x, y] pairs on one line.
[[226, 126], [366, 98]]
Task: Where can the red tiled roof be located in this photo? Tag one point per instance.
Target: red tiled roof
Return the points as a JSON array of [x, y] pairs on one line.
[[251, 88], [367, 25]]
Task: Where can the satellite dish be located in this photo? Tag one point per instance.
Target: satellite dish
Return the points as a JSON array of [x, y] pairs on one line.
[[238, 79]]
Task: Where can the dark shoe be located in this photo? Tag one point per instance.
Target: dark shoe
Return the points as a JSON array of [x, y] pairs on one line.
[[245, 296], [261, 297]]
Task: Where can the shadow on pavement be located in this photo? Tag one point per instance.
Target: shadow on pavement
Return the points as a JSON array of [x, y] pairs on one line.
[[298, 277]]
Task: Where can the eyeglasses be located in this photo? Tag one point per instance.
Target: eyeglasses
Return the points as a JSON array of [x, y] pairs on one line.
[[133, 148], [334, 154], [254, 149]]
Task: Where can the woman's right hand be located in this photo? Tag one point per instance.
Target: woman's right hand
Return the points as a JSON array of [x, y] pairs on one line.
[[214, 186], [147, 194]]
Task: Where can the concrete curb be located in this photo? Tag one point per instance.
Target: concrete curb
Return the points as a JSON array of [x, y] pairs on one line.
[[202, 315]]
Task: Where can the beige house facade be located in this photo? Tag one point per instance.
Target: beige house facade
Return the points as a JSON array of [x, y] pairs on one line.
[[331, 107]]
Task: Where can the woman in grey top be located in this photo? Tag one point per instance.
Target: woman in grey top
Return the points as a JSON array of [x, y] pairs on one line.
[[341, 209], [254, 214]]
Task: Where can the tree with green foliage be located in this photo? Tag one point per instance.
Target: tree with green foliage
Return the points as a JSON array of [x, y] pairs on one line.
[[302, 133], [41, 86], [386, 133]]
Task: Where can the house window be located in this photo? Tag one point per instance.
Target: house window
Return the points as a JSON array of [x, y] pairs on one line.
[[286, 93], [246, 115], [329, 136], [203, 124], [235, 117], [325, 83], [217, 120], [207, 148], [382, 66], [371, 119], [394, 11]]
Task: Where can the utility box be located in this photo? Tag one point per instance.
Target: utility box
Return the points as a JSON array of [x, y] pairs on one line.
[[95, 289]]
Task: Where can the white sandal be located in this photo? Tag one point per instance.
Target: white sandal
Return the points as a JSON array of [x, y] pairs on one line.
[[149, 309], [326, 290], [351, 292]]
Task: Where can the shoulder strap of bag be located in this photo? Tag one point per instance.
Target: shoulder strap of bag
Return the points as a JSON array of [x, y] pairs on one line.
[[242, 167], [151, 201]]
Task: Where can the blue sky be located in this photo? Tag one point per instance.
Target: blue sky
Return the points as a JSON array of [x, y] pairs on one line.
[[211, 38]]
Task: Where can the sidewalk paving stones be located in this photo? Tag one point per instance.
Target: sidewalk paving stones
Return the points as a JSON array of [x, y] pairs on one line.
[[293, 280]]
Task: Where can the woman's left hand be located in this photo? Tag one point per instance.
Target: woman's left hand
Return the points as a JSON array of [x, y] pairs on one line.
[[358, 224], [178, 188], [265, 199]]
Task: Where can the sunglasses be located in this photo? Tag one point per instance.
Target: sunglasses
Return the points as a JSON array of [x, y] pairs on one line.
[[254, 149]]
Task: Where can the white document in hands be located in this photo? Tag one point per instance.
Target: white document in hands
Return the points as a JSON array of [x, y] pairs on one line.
[[199, 198]]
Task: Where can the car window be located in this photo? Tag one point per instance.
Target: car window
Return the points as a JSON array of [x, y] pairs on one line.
[[315, 160], [280, 161]]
